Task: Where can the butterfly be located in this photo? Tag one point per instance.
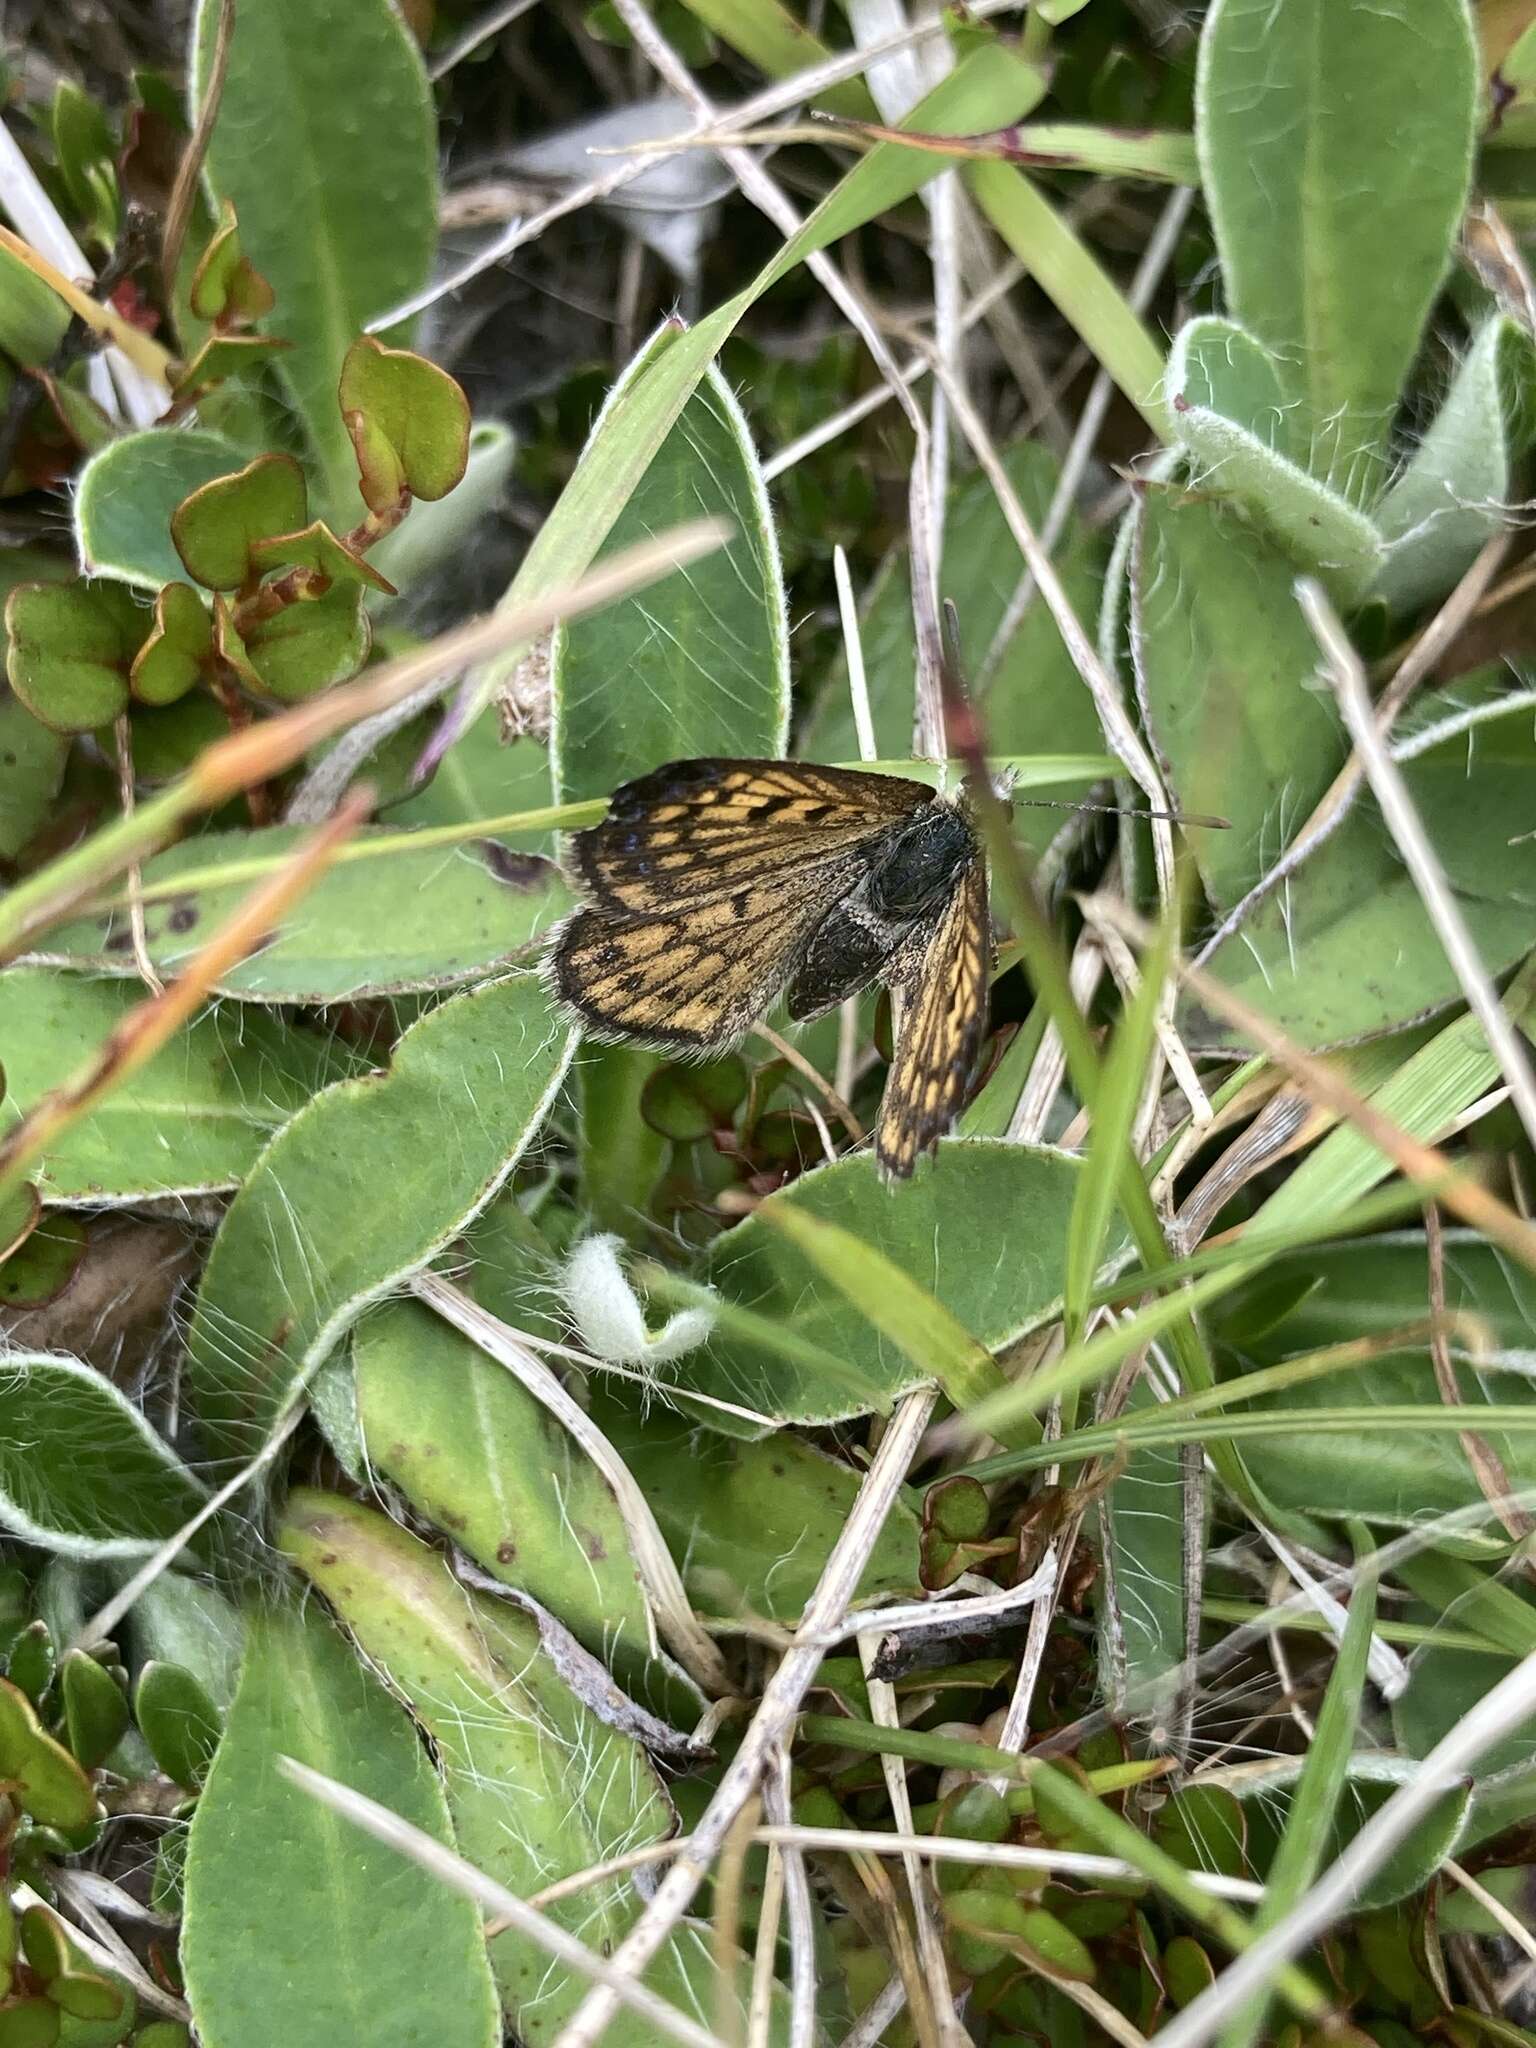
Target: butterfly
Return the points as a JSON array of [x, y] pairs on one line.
[[714, 887]]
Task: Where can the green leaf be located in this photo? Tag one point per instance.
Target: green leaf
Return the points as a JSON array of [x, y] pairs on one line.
[[41, 1776], [436, 533], [301, 649], [1315, 1803], [1221, 367], [1370, 1288], [1336, 187], [178, 651], [1317, 526], [1075, 282], [81, 1471], [380, 925], [932, 1232], [29, 2023], [226, 285], [349, 227], [189, 1122], [95, 1711], [894, 1305], [32, 758], [128, 491], [1143, 1620], [316, 547], [361, 1190], [409, 423], [214, 529], [506, 1733], [178, 1720], [85, 153], [1226, 670], [1444, 1686], [187, 1621], [1345, 949], [300, 1927], [70, 646], [698, 663], [774, 39], [33, 318], [476, 1454], [1454, 492], [222, 357], [1035, 701], [749, 1522], [39, 1271]]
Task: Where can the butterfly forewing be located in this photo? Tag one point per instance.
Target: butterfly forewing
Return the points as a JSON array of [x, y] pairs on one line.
[[698, 976], [700, 829], [938, 984]]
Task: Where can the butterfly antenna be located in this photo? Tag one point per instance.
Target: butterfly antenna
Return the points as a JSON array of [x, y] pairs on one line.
[[1201, 818], [955, 694]]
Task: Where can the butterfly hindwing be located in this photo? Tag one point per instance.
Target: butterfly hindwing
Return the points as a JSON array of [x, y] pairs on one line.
[[699, 829], [697, 976], [938, 983]]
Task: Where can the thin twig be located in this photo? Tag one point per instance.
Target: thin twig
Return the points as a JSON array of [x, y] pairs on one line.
[[178, 208], [802, 1916], [775, 99], [1419, 856], [795, 1058], [489, 24], [938, 1618], [995, 1855], [1424, 1164], [452, 1870], [781, 1699], [1487, 1465], [1154, 260], [930, 1946], [102, 1625], [725, 1926], [1497, 1714], [1335, 804], [760, 2014], [1120, 735], [122, 740], [667, 1601]]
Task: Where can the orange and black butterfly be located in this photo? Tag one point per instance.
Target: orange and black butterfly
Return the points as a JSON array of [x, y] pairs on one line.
[[715, 887]]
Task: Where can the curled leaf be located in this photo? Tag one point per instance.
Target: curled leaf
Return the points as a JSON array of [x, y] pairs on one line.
[[408, 420]]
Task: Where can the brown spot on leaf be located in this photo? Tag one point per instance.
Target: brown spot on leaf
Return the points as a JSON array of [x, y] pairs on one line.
[[183, 917], [506, 1550], [523, 871]]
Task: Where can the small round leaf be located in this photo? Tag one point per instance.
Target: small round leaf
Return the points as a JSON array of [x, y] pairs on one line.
[[215, 527], [174, 657], [70, 648], [409, 423]]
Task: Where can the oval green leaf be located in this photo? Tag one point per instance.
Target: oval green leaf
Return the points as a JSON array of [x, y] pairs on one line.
[[360, 1191], [299, 1927]]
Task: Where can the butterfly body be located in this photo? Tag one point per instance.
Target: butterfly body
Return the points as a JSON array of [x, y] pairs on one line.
[[716, 886]]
